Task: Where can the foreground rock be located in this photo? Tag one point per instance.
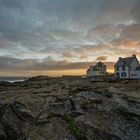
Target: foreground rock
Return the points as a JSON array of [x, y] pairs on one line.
[[60, 109]]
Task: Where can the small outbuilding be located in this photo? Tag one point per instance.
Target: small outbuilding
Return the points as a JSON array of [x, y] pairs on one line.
[[98, 70]]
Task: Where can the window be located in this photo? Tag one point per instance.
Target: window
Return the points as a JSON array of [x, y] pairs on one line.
[[133, 75], [124, 62], [118, 74], [123, 68], [123, 74], [117, 68]]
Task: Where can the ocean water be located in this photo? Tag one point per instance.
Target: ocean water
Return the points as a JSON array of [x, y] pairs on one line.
[[13, 79]]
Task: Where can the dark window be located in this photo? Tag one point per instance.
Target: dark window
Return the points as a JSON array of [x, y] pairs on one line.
[[118, 74], [123, 68], [124, 62], [133, 75], [117, 68], [123, 74]]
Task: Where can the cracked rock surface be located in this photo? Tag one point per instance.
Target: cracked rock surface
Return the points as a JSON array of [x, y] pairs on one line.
[[69, 109]]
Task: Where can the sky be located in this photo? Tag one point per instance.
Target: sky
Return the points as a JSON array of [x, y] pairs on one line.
[[65, 37]]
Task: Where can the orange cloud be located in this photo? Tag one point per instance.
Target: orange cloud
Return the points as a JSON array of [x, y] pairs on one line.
[[101, 58], [67, 54], [126, 43]]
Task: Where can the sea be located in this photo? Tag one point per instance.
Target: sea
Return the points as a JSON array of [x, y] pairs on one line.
[[13, 79]]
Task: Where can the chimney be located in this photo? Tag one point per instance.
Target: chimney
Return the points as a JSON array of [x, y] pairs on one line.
[[133, 55]]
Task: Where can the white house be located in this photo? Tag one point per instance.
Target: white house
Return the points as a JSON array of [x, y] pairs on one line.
[[98, 70], [128, 67]]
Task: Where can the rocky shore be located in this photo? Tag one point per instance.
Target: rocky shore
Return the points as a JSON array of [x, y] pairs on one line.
[[44, 108]]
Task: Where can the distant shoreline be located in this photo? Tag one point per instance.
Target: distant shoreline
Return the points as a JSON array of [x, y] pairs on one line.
[[13, 79]]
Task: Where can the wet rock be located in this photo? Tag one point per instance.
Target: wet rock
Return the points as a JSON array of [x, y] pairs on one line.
[[108, 94], [91, 104], [2, 133], [22, 111], [12, 126], [61, 109], [125, 82], [128, 114], [3, 108], [93, 133]]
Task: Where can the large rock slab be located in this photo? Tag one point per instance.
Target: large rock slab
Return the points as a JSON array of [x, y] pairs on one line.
[[60, 109]]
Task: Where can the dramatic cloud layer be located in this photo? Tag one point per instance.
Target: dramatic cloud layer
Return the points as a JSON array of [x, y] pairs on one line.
[[44, 36]]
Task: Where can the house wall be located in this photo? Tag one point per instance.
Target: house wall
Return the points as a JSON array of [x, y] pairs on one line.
[[103, 71], [133, 72], [134, 64], [120, 71], [91, 73]]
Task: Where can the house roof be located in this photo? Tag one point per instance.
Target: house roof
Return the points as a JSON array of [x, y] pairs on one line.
[[125, 61], [100, 64], [93, 68], [97, 67]]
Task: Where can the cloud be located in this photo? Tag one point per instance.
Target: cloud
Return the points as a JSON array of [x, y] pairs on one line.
[[131, 32], [105, 31], [101, 58], [135, 12], [48, 64], [51, 34], [67, 54], [128, 41]]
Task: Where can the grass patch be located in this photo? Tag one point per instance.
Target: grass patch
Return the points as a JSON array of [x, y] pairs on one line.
[[78, 133]]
